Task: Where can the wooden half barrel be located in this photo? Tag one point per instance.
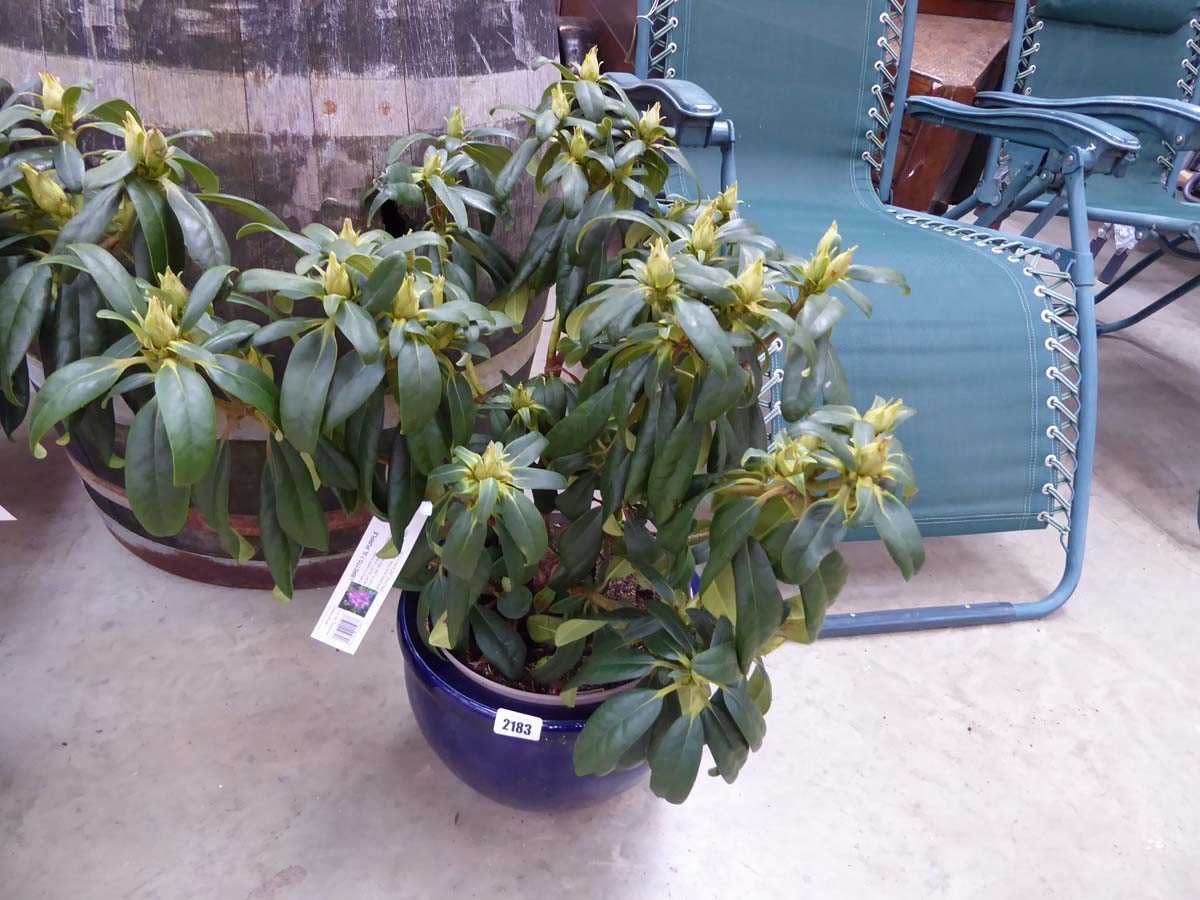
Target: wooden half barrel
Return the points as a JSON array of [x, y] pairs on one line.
[[303, 98]]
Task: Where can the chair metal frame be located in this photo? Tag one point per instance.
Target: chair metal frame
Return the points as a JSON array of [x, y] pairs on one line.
[[1065, 277], [1172, 233]]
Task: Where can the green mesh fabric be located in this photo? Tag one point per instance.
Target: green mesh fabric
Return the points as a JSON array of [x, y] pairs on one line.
[[1134, 15], [1087, 60], [967, 348]]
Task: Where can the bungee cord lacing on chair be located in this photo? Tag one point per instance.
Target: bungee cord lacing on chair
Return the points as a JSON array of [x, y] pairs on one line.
[[1057, 290], [884, 90], [1029, 48], [660, 20]]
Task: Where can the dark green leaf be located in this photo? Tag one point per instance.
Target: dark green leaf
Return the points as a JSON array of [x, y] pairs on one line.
[[464, 544], [614, 666], [206, 291], [69, 389], [189, 416], [68, 166], [552, 668], [516, 603], [675, 759], [613, 728], [354, 381], [745, 713], [759, 604], [418, 384], [201, 233], [731, 526], [211, 496], [406, 489], [580, 426], [706, 335], [899, 534], [297, 506], [673, 466], [88, 225], [306, 387], [280, 551], [151, 206], [815, 536], [248, 209], [498, 642], [243, 381], [718, 664], [334, 467], [160, 505], [380, 289], [729, 749], [116, 285], [21, 316]]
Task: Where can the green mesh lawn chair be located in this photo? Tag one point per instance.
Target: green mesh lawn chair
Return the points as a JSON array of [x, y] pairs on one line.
[[996, 346], [1135, 65]]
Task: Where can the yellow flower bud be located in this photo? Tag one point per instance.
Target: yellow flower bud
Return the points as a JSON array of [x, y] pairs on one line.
[[47, 193], [749, 283], [885, 415], [455, 125], [135, 137], [172, 290], [522, 397], [650, 123], [589, 69], [159, 325], [839, 266], [660, 271], [559, 102], [727, 201], [579, 144], [493, 464], [52, 92], [348, 234], [437, 291], [155, 154], [871, 458], [830, 241], [406, 303], [704, 231], [432, 164], [335, 277]]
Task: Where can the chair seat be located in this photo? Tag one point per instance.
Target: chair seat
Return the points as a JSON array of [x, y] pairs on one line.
[[966, 349]]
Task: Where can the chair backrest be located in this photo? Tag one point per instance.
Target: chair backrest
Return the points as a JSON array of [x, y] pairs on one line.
[[836, 118], [1090, 47]]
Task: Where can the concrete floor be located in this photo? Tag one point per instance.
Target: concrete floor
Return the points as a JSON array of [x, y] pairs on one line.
[[163, 739]]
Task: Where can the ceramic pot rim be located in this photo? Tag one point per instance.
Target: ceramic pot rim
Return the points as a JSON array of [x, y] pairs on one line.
[[529, 697]]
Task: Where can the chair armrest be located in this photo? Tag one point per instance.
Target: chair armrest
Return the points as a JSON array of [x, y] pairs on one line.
[[1176, 122], [1077, 140], [686, 106]]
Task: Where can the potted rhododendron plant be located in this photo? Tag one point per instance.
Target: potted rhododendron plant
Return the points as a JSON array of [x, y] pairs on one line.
[[615, 542]]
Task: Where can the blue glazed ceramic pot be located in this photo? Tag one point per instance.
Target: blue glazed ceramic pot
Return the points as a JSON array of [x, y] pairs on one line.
[[456, 715]]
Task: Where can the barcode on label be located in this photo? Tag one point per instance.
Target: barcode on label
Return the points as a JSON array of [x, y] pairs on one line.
[[345, 630], [517, 725]]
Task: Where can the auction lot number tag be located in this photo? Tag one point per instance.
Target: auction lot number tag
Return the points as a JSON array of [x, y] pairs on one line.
[[517, 725]]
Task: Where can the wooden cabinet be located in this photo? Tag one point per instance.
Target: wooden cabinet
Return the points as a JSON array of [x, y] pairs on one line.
[[953, 57]]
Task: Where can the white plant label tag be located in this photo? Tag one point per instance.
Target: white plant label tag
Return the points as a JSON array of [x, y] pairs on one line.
[[517, 725], [365, 584], [6, 516]]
